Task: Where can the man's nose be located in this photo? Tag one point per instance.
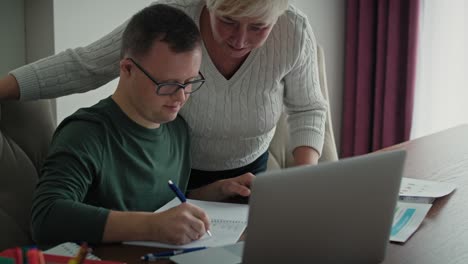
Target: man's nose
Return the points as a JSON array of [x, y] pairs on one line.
[[179, 95]]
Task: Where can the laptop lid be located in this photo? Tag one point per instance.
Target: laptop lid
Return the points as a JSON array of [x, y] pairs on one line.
[[338, 212]]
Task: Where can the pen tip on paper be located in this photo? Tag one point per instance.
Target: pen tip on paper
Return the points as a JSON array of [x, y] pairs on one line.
[[209, 233]]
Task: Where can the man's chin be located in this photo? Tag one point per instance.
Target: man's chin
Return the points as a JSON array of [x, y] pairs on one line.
[[168, 118]]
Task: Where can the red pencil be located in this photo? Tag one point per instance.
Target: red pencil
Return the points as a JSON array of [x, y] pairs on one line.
[[18, 255], [33, 256]]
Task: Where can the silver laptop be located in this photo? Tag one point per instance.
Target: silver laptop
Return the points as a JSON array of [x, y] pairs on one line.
[[338, 212]]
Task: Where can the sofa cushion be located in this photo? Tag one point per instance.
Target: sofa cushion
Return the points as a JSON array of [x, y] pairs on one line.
[[18, 179], [30, 125], [26, 129]]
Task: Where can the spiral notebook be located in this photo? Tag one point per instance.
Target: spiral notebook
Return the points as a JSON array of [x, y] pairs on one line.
[[228, 222]]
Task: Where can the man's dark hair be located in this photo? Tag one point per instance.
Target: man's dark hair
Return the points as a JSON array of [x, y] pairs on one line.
[[163, 23]]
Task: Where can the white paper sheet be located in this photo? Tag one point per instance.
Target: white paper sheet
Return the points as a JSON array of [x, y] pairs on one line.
[[422, 188], [228, 222]]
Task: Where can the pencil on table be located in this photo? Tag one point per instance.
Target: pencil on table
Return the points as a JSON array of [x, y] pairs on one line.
[[41, 257], [81, 255]]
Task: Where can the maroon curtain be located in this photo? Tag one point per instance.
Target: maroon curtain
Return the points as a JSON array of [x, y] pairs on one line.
[[381, 39]]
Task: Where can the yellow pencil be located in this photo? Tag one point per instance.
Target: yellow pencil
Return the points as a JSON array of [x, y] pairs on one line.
[[81, 255]]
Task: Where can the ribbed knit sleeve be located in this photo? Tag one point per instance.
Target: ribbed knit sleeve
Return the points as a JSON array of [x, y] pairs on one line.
[[303, 99], [72, 71]]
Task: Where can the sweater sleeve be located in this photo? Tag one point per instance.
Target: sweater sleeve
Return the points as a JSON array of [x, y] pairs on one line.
[[58, 211], [73, 70], [303, 98]]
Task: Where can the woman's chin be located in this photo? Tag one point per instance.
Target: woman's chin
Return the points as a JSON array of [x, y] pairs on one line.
[[237, 53]]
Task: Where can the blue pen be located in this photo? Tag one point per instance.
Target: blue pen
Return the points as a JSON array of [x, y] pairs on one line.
[[166, 254], [177, 191], [181, 197]]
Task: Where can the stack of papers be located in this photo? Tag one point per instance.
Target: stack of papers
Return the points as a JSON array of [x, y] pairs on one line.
[[416, 197]]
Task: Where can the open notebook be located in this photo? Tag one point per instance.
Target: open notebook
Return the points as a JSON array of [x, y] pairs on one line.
[[228, 221]]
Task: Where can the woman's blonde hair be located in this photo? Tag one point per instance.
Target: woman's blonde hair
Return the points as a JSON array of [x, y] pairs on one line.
[[267, 11]]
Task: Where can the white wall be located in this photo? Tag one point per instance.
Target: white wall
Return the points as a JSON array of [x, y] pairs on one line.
[[39, 22], [78, 23], [12, 42]]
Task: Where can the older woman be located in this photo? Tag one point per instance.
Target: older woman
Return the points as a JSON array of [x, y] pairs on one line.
[[259, 58]]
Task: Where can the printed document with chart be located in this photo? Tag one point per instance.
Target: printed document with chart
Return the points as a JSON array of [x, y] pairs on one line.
[[407, 219], [416, 197], [228, 222]]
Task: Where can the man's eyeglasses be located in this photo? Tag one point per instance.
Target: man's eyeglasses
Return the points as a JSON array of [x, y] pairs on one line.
[[170, 88]]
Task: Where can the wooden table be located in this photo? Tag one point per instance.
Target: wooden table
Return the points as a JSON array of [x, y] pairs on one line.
[[442, 236]]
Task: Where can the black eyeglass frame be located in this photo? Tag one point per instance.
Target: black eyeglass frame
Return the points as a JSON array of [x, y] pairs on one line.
[[180, 85]]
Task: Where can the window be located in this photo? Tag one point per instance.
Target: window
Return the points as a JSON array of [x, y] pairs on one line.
[[441, 91]]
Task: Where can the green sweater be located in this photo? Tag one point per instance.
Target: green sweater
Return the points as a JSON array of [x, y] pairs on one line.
[[101, 160]]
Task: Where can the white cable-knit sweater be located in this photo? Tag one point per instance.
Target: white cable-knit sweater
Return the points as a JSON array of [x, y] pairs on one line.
[[232, 121]]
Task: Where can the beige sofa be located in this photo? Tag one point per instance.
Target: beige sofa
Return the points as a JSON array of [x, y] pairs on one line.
[[25, 132]]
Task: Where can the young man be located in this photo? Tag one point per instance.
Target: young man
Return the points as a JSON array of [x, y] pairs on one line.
[[108, 166]]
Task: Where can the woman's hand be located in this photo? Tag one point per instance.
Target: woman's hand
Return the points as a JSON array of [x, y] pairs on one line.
[[224, 189]]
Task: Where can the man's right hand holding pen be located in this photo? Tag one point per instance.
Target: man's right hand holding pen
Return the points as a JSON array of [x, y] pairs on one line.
[[182, 224], [179, 225]]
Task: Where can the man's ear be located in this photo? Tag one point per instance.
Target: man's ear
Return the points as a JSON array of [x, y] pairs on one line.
[[125, 67]]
